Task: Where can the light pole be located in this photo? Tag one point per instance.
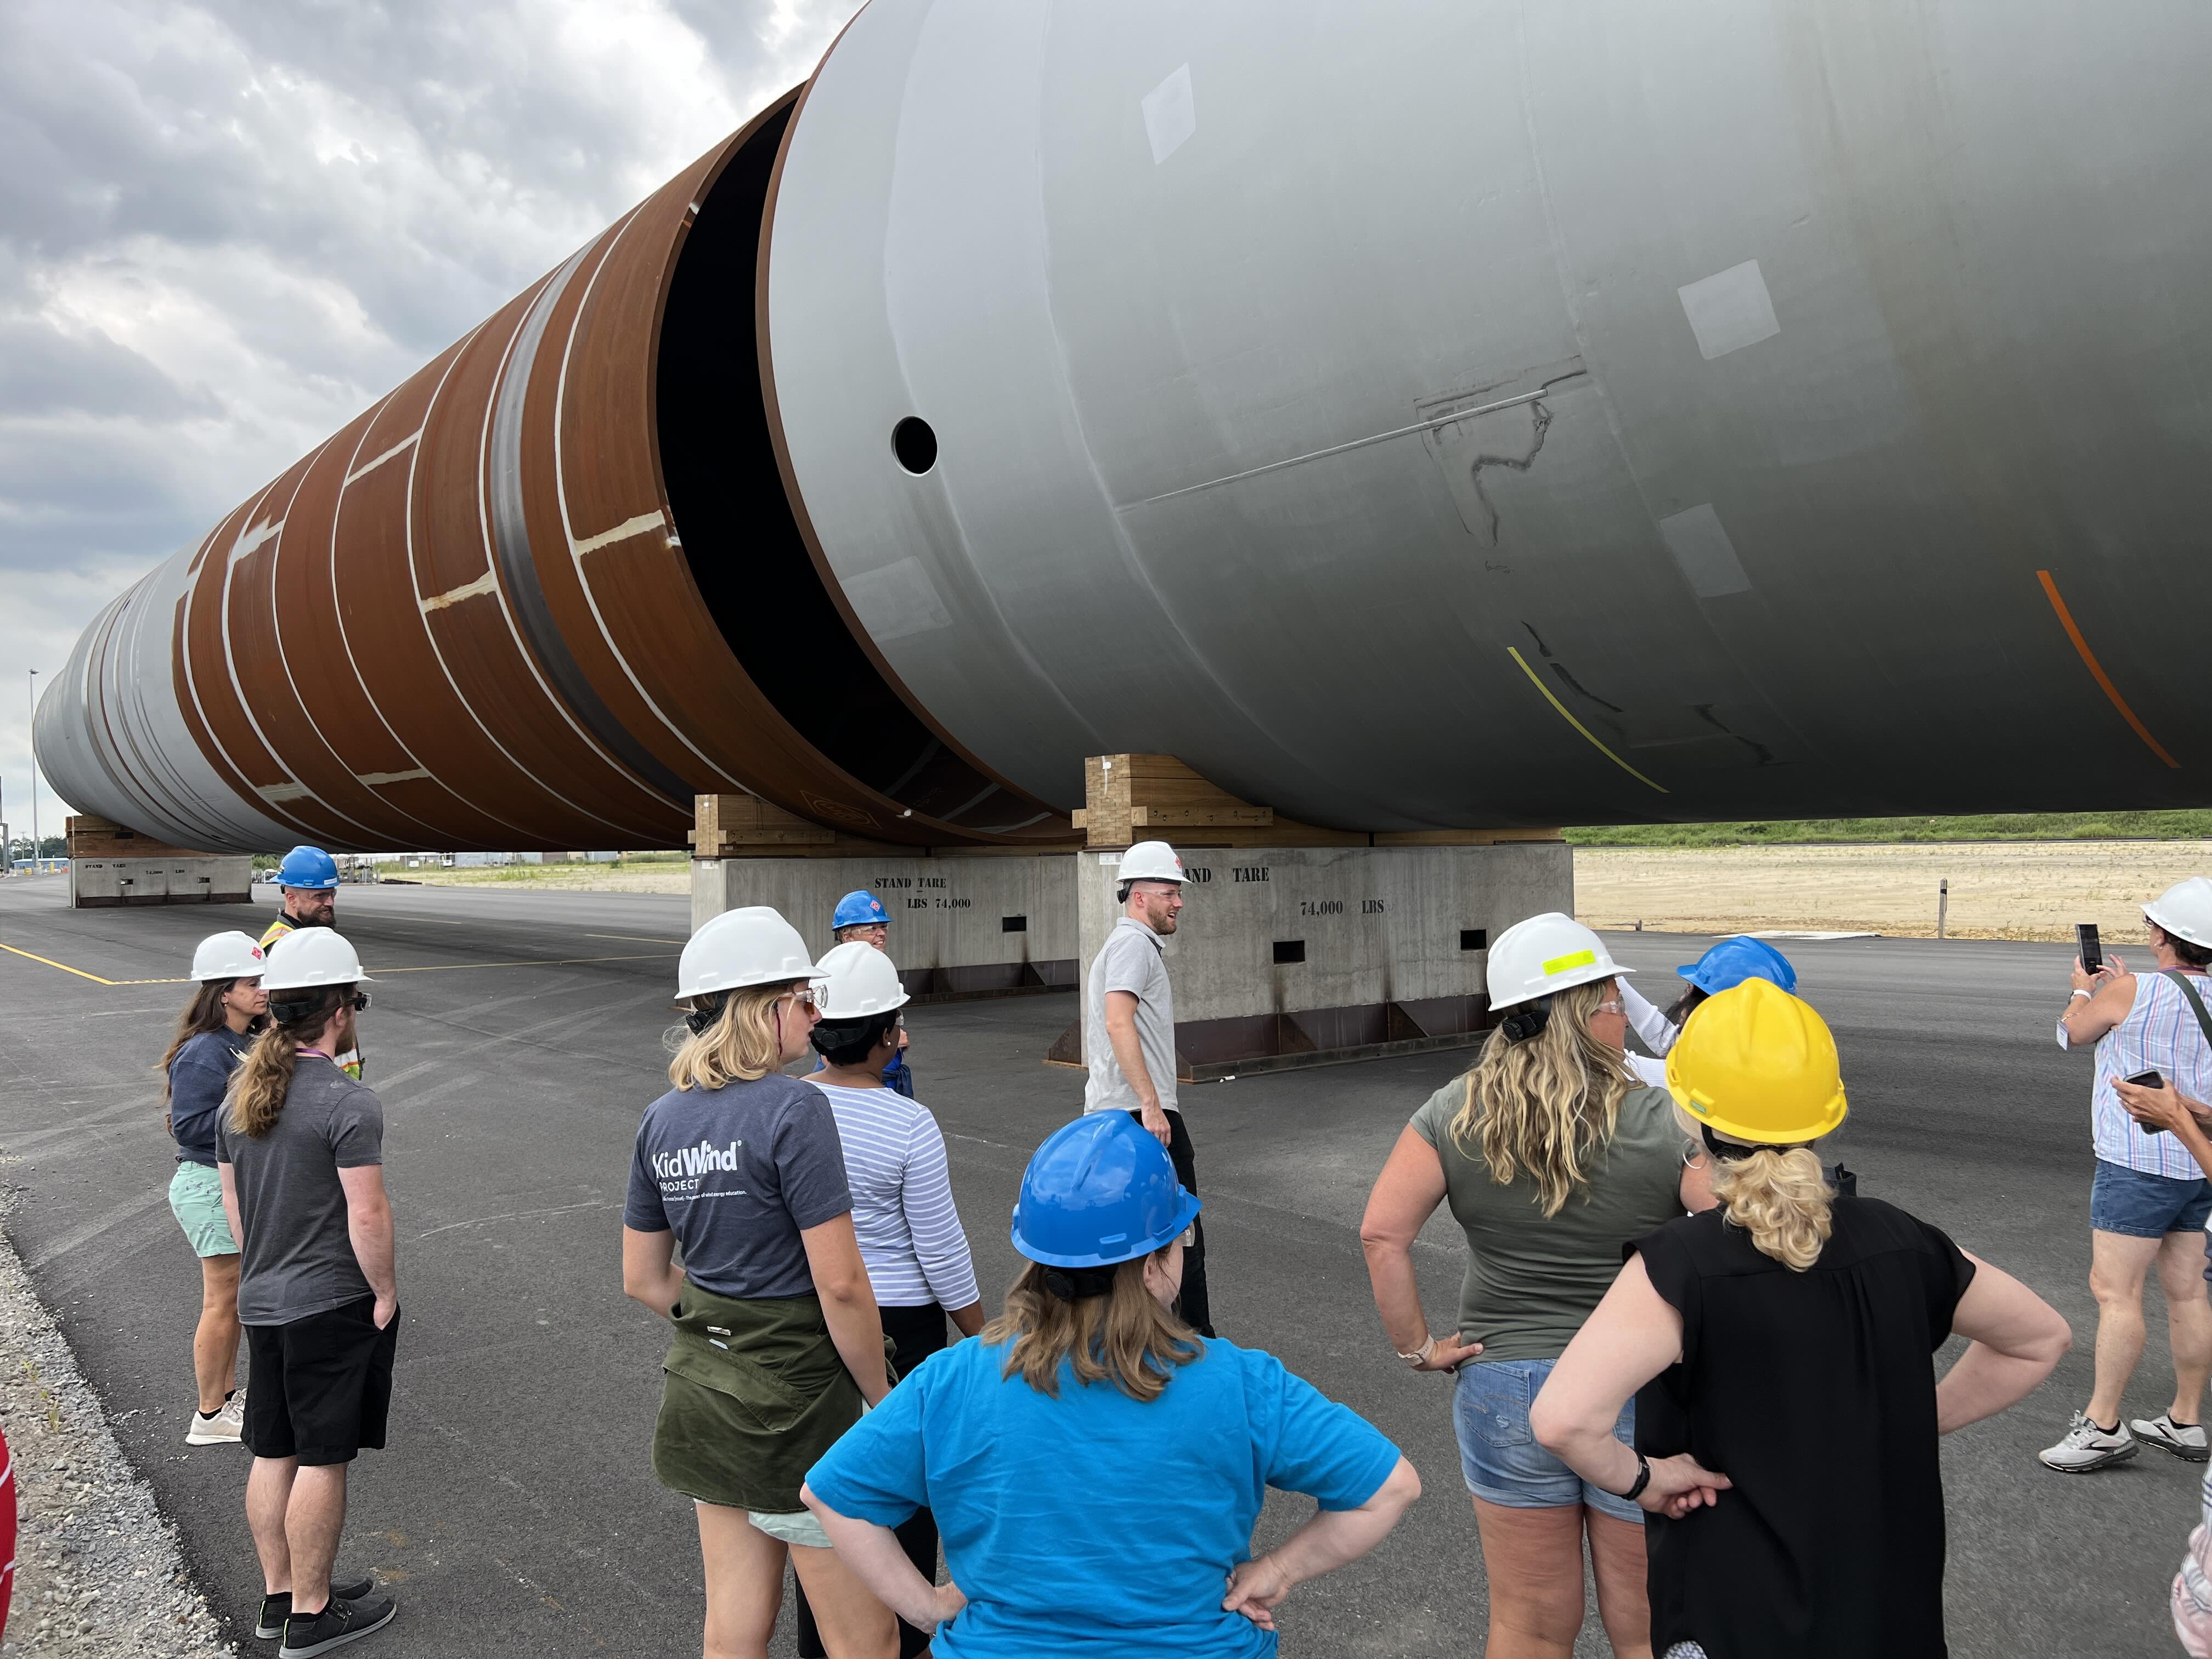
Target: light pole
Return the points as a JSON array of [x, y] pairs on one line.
[[33, 691]]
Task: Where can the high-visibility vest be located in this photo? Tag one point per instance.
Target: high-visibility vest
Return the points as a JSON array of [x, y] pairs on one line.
[[350, 1061]]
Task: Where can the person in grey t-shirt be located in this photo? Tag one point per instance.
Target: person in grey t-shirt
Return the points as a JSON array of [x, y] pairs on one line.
[[301, 1154], [1128, 1035]]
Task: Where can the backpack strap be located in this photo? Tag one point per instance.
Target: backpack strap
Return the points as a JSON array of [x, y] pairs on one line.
[[2196, 1002]]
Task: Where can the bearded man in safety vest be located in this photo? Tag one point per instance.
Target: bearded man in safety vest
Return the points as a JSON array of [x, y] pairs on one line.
[[308, 877]]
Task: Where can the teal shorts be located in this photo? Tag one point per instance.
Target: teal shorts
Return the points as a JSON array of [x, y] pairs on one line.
[[195, 1200]]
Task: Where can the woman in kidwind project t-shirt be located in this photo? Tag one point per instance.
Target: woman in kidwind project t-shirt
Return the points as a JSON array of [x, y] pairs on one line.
[[742, 1167]]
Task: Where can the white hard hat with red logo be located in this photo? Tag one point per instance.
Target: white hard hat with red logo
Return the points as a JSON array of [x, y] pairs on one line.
[[227, 956], [1150, 860]]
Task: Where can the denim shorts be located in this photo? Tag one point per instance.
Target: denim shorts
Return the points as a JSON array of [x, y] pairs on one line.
[[1500, 1457], [2140, 1205]]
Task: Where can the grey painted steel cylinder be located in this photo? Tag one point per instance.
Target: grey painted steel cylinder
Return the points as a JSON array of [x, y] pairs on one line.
[[1480, 414], [1423, 414]]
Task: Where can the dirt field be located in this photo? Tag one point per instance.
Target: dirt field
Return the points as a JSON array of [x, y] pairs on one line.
[[673, 876], [1999, 889]]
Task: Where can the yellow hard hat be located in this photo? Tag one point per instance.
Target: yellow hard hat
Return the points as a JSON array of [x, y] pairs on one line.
[[1755, 1064]]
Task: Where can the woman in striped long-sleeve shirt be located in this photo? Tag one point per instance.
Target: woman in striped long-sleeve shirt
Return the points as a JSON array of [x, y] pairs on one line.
[[910, 1235]]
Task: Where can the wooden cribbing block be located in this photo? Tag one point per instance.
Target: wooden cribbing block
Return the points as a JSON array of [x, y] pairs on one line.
[[92, 837], [732, 826], [1131, 798]]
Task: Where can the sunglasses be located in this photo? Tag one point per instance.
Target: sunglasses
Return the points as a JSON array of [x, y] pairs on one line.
[[358, 1002]]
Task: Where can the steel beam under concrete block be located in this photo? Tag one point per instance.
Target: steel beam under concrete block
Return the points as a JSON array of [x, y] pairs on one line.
[[960, 925], [1301, 956]]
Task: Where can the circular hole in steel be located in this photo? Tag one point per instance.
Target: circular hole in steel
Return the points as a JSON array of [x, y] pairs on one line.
[[915, 444]]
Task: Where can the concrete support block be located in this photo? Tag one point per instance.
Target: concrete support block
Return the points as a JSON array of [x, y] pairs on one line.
[[1292, 956], [98, 883], [961, 925]]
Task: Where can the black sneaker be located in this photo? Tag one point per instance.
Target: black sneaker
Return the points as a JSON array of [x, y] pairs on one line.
[[276, 1609], [335, 1625]]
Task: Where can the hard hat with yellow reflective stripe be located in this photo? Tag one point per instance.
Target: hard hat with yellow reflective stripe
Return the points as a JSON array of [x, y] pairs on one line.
[[1544, 954], [1756, 1064]]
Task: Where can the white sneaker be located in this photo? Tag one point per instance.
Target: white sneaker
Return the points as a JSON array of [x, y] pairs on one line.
[[2189, 1444], [2087, 1447], [228, 1426]]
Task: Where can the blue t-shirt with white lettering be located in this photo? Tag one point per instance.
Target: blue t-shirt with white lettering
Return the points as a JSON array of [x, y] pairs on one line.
[[1094, 1523], [736, 1173]]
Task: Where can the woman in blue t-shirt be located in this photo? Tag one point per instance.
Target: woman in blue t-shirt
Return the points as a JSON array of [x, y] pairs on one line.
[[1093, 1466], [217, 1026]]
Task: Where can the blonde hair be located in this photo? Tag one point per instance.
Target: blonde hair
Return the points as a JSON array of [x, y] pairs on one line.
[[1545, 1103], [264, 1077], [1125, 1335], [1782, 1199], [743, 1046]]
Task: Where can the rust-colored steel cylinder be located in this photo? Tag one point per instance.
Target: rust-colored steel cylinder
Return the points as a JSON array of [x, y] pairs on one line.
[[540, 596]]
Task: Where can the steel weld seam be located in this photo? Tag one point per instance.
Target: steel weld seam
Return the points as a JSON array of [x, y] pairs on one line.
[[567, 526], [1567, 715], [2097, 671], [407, 507]]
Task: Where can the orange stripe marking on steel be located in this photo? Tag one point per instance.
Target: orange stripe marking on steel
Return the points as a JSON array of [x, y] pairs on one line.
[[2097, 671]]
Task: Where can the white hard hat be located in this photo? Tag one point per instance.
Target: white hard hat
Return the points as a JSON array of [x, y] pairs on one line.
[[227, 956], [1150, 860], [1544, 954], [2185, 910], [859, 981], [308, 957], [754, 945]]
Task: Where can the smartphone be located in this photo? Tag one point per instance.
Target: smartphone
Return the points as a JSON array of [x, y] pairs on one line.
[[2092, 950], [2150, 1079]]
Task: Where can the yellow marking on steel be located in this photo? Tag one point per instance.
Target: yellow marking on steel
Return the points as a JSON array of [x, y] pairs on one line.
[[2096, 668], [1514, 652]]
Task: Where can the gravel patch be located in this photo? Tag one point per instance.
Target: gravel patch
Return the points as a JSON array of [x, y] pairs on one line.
[[97, 1572]]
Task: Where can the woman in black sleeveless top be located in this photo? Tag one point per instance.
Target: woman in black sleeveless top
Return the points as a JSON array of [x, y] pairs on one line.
[[1778, 1347]]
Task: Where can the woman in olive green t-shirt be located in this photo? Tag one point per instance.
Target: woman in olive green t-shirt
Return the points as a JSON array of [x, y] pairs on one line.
[[1553, 1159]]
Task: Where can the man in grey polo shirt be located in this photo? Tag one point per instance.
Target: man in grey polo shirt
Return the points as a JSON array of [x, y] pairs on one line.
[[1128, 1034]]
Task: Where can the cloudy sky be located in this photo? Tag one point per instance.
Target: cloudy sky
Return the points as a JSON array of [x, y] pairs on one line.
[[226, 227]]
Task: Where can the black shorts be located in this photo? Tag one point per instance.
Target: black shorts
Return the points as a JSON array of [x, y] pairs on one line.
[[319, 1387]]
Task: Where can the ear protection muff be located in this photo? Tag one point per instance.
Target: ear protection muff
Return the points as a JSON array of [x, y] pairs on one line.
[[1527, 1021]]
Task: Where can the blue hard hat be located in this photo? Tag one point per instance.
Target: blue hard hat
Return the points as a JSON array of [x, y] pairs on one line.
[[1732, 961], [1100, 1190], [860, 910], [307, 866]]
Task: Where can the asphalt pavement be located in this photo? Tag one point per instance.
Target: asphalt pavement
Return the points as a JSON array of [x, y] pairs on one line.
[[515, 1037]]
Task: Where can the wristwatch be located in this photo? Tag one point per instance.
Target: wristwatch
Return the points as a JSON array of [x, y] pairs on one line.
[[1642, 1477]]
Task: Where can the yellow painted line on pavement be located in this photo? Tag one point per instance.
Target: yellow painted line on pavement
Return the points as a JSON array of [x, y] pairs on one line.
[[433, 968], [638, 938], [1564, 715], [95, 978]]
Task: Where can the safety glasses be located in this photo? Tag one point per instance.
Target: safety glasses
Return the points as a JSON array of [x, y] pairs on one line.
[[358, 1002]]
